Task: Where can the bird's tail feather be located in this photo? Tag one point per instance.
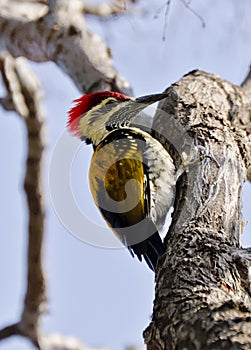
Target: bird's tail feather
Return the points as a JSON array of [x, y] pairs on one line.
[[152, 248], [155, 248]]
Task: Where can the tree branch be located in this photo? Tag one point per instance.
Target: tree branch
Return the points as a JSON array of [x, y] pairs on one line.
[[8, 331], [61, 36], [106, 9], [59, 342], [23, 9], [24, 92]]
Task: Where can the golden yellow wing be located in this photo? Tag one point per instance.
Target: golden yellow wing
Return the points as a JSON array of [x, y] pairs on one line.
[[117, 183]]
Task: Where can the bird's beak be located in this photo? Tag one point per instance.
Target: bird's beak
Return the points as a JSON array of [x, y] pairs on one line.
[[149, 99]]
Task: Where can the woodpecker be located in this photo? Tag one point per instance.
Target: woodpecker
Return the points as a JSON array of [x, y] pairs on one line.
[[132, 177]]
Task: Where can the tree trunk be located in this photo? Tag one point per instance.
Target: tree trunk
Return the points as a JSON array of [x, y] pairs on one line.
[[203, 297]]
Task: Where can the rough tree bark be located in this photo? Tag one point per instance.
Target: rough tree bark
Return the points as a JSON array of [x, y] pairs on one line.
[[203, 280], [203, 294]]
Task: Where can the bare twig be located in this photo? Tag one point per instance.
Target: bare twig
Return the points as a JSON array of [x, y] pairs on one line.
[[167, 9], [166, 16], [8, 331], [196, 14]]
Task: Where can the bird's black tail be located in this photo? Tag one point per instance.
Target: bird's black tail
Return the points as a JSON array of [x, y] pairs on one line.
[[155, 248], [152, 248]]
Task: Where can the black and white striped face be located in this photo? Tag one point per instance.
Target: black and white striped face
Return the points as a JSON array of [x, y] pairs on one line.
[[100, 120], [90, 110]]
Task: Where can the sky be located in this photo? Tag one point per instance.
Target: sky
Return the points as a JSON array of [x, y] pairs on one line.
[[102, 295]]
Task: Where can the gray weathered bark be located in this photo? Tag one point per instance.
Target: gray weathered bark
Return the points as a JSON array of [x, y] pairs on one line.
[[203, 294]]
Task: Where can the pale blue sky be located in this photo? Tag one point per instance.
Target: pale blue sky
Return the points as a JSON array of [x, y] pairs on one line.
[[103, 296]]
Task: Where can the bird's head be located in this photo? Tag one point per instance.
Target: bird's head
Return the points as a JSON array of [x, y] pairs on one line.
[[96, 114]]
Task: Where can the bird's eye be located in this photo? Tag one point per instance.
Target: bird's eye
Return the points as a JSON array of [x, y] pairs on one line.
[[111, 100]]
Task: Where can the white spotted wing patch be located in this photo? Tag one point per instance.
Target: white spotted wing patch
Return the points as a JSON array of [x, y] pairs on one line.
[[162, 180]]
